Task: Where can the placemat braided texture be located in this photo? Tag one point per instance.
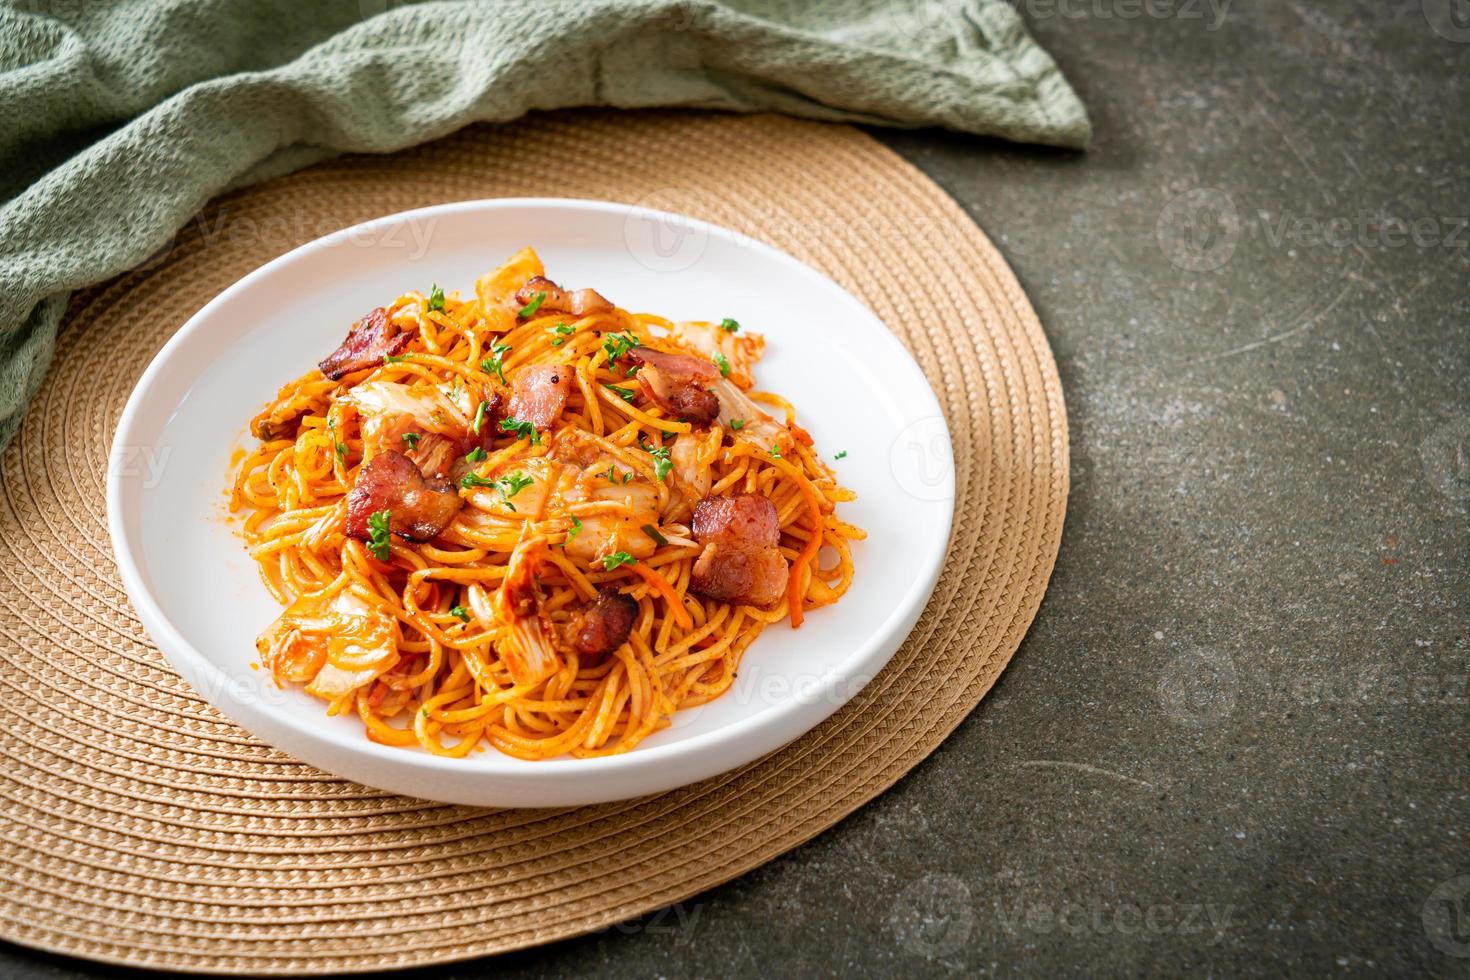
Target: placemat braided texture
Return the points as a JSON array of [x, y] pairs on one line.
[[139, 826]]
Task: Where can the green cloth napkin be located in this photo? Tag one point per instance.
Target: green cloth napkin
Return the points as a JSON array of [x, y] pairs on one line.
[[119, 120]]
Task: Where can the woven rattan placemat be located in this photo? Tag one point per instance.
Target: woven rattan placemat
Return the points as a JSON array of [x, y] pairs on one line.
[[139, 826]]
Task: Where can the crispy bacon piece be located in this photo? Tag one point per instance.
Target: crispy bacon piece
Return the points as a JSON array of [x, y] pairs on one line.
[[420, 508], [741, 561], [603, 625], [368, 340], [578, 303], [678, 383], [539, 394], [740, 350]]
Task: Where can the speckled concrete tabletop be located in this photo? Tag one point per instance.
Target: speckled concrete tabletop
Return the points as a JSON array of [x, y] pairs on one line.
[[1235, 740]]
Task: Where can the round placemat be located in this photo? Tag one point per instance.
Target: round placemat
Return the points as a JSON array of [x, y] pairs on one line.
[[138, 826]]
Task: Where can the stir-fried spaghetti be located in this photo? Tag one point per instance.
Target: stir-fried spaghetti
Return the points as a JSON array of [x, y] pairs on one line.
[[532, 519]]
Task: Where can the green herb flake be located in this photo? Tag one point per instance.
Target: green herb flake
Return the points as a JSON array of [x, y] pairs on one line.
[[461, 612], [652, 532], [722, 364], [396, 358], [338, 446], [776, 452], [729, 326], [626, 394], [617, 560], [476, 455], [378, 541], [510, 485], [562, 331], [576, 530], [661, 463], [436, 299], [736, 425], [522, 430], [495, 363], [531, 307], [471, 480], [841, 455], [618, 344], [412, 438], [479, 417]]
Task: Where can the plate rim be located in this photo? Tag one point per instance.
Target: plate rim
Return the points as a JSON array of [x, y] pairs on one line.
[[738, 743]]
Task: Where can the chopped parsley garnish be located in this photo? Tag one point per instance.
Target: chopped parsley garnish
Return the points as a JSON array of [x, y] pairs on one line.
[[562, 331], [776, 451], [479, 416], [611, 474], [523, 430], [378, 541], [728, 325], [618, 344], [533, 306], [471, 480], [395, 358], [338, 446], [736, 425], [652, 532], [412, 438], [476, 455], [510, 485], [436, 299], [576, 530], [722, 364], [461, 612], [841, 455], [626, 394], [618, 559], [495, 363], [661, 463]]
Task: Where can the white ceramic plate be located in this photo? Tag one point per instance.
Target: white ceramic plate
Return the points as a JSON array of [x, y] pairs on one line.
[[854, 386]]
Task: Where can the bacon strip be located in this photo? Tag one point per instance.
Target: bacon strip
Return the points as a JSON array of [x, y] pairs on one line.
[[578, 303], [678, 383], [369, 339], [740, 350], [603, 625], [741, 561], [539, 394], [420, 509]]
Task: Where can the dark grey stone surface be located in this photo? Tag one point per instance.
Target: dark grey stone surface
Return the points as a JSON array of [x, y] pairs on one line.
[[1234, 742]]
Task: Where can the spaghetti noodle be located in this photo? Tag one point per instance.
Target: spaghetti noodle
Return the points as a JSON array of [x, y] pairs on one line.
[[532, 520]]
